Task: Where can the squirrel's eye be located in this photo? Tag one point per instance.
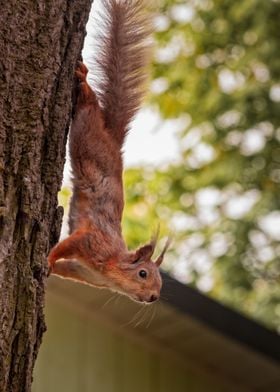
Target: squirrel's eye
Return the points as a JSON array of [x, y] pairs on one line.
[[143, 274]]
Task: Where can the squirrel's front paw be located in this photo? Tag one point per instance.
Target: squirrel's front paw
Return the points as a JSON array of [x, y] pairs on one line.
[[52, 257], [50, 266], [50, 269]]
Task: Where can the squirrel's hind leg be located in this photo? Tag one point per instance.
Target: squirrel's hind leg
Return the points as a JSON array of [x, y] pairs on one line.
[[85, 95]]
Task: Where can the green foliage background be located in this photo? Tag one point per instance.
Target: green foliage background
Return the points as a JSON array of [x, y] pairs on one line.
[[216, 67]]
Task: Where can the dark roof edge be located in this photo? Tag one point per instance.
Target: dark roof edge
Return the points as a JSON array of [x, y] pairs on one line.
[[221, 318]]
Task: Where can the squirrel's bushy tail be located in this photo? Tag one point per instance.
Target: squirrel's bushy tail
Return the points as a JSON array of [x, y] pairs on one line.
[[120, 60]]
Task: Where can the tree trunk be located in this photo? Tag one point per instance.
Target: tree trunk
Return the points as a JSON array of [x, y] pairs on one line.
[[40, 42]]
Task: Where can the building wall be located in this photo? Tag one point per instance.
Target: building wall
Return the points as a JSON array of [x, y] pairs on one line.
[[81, 354]]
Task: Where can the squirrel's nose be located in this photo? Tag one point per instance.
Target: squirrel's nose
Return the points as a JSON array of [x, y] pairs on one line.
[[153, 298]]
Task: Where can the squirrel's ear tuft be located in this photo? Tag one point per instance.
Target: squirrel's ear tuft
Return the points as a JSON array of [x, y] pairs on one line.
[[159, 260]]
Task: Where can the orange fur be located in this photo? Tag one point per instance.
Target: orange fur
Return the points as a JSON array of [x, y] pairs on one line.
[[95, 252]]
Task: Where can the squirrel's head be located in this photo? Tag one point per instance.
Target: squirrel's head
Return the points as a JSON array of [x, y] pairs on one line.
[[137, 276]]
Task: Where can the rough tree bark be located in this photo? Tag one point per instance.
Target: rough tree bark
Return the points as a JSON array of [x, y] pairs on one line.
[[40, 42]]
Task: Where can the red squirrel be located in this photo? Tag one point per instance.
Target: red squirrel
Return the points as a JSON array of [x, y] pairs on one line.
[[95, 252]]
